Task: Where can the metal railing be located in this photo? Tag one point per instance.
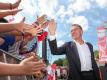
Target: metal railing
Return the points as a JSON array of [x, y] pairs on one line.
[[9, 58]]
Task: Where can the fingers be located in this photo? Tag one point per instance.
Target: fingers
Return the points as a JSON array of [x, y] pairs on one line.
[[32, 67], [15, 11], [35, 24], [39, 30], [34, 31], [36, 66], [52, 27], [45, 25], [23, 19], [16, 4], [36, 58], [19, 10], [39, 67], [38, 74], [41, 19], [29, 59], [18, 1], [52, 21]]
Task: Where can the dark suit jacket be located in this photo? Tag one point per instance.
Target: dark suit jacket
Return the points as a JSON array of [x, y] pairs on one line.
[[70, 49]]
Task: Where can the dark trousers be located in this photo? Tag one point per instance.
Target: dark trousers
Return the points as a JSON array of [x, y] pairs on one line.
[[105, 72], [87, 75]]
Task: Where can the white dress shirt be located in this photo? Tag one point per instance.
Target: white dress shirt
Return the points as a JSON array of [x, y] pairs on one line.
[[85, 56]]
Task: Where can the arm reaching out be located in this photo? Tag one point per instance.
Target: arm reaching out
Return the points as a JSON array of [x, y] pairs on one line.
[[9, 5], [28, 66], [9, 12]]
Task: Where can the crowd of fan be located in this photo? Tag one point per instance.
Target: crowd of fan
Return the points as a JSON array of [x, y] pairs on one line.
[[14, 38]]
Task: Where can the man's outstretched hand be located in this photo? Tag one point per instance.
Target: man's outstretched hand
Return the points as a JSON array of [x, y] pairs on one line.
[[52, 27]]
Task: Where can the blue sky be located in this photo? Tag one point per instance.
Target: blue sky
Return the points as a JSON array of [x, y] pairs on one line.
[[88, 13]]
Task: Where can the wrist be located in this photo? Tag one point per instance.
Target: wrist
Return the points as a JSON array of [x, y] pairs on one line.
[[52, 33], [17, 26], [22, 70], [16, 67]]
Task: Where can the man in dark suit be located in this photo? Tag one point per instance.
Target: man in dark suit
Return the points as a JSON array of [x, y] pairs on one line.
[[80, 55]]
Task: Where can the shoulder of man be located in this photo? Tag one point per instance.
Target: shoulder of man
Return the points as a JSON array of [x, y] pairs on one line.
[[70, 43], [90, 45]]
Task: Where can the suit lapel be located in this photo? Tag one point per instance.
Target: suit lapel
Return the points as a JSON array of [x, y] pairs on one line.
[[89, 48], [76, 55], [91, 51]]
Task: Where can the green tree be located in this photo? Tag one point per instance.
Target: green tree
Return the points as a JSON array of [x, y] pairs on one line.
[[61, 62], [96, 54], [65, 62]]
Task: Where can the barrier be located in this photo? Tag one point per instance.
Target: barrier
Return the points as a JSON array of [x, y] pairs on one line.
[[8, 58]]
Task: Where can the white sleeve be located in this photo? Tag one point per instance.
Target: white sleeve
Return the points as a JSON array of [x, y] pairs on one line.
[[51, 37]]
